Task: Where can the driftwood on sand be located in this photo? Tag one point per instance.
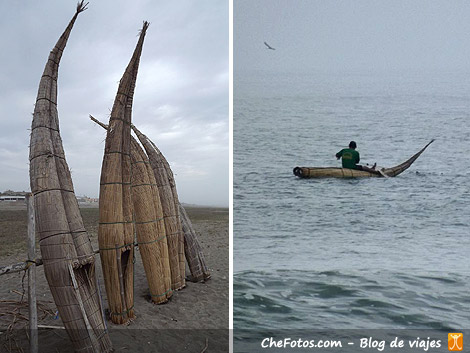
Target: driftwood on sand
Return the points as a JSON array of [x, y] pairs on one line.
[[187, 237], [150, 227], [69, 263], [116, 227]]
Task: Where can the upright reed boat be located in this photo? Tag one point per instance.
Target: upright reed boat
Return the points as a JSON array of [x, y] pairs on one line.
[[116, 227], [69, 261]]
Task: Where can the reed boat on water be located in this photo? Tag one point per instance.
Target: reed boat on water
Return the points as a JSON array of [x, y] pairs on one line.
[[332, 172]]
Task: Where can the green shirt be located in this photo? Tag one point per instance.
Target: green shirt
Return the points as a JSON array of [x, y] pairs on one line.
[[349, 158]]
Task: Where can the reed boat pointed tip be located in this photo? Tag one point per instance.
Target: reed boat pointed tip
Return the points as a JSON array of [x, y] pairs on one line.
[[82, 6]]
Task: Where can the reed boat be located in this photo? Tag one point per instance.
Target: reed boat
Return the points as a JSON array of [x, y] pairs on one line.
[[116, 222], [66, 250], [332, 172]]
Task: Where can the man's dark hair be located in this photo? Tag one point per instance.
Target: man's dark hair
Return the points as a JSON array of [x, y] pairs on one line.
[[352, 145]]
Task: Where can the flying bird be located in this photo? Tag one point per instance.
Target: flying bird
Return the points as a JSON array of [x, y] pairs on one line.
[[268, 46]]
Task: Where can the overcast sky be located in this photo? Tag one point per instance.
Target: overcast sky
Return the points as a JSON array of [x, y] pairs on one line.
[[181, 97], [352, 35]]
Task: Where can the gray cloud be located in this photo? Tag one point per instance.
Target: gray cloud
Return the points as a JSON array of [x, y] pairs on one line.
[[181, 99]]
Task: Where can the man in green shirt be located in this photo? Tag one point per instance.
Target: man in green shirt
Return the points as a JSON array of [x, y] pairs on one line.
[[350, 157]]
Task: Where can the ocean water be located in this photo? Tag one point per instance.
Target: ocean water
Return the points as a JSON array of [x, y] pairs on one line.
[[378, 253]]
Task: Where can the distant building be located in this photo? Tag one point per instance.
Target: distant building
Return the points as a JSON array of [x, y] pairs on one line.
[[86, 199], [12, 198], [20, 196]]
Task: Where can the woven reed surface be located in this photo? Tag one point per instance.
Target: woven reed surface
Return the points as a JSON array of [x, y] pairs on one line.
[[116, 228], [190, 249], [64, 243], [150, 227], [335, 173], [170, 213], [193, 250], [171, 181], [188, 243], [394, 171]]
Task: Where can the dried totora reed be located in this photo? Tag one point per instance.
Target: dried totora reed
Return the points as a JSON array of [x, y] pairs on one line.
[[116, 228], [150, 227], [68, 258]]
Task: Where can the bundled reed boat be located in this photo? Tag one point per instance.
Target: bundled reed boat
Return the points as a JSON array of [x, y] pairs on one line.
[[149, 224], [116, 227], [189, 247], [68, 258], [331, 172], [167, 191], [192, 250]]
